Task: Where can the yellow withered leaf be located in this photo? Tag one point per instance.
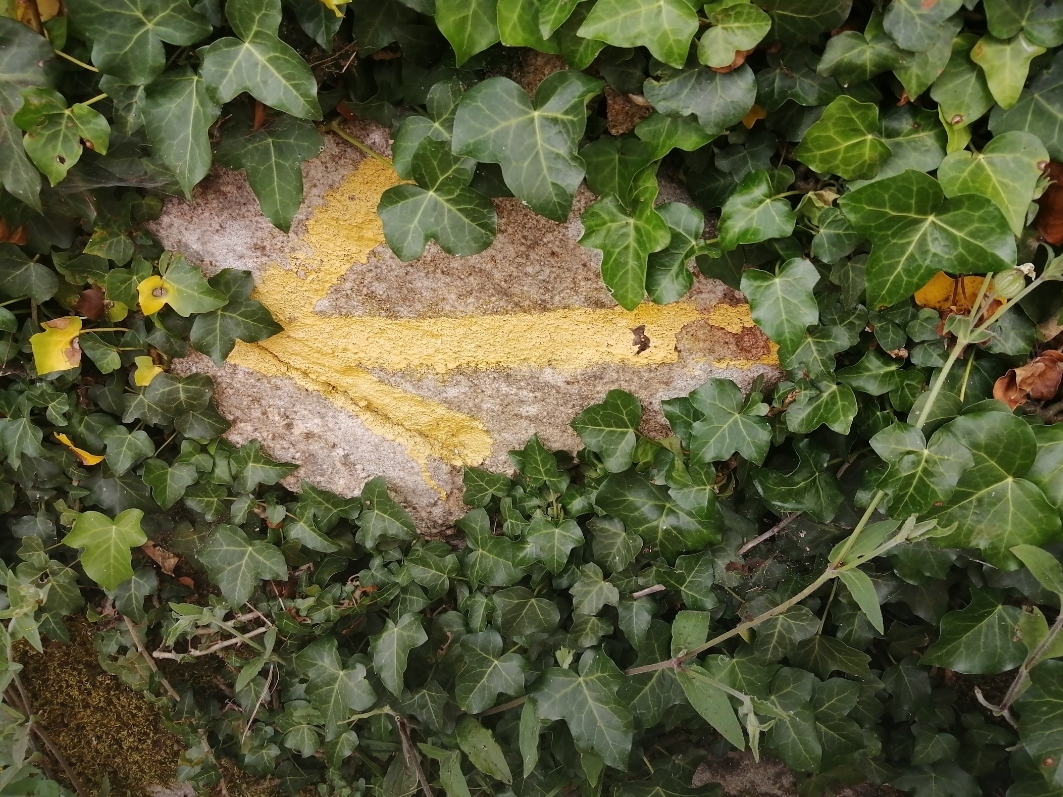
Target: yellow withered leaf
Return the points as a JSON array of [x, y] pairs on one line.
[[153, 293], [85, 457], [57, 349], [948, 294], [334, 6], [755, 113], [146, 371]]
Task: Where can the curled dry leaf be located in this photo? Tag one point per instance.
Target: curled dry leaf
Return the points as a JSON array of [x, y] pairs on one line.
[[1050, 216], [1038, 380], [90, 304], [740, 58], [163, 558], [85, 457]]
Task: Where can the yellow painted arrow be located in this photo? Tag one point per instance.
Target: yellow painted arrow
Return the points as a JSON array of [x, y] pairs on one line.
[[331, 355]]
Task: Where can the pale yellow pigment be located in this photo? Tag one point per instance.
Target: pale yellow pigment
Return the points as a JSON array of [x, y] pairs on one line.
[[330, 355]]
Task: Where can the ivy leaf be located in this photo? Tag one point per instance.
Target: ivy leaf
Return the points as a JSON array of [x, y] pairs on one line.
[[441, 206], [796, 20], [942, 779], [169, 482], [712, 703], [486, 672], [54, 132], [181, 286], [875, 374], [551, 543], [625, 241], [1039, 110], [913, 228], [914, 24], [21, 276], [646, 509], [478, 743], [259, 62], [845, 141], [718, 99], [236, 564], [518, 613], [668, 276], [791, 75], [665, 27], [692, 579], [1044, 566], [441, 104], [779, 635], [734, 28], [382, 523], [250, 467], [178, 113], [127, 39], [333, 690], [810, 487], [613, 547], [518, 26], [481, 486], [919, 476], [591, 593], [920, 70], [471, 26], [755, 211], [535, 143], [56, 349], [271, 156], [589, 704], [782, 304], [495, 561], [1006, 171], [729, 426], [852, 57], [241, 318], [106, 556], [125, 448], [1006, 65], [392, 646], [961, 92], [1040, 725], [822, 404], [609, 429], [863, 591], [981, 639], [1041, 23]]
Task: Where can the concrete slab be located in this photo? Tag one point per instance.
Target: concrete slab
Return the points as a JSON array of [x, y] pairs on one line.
[[412, 370]]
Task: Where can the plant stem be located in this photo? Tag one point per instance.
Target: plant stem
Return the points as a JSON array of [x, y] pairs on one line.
[[354, 142], [74, 60], [767, 535], [95, 99], [411, 754], [57, 754], [1024, 671]]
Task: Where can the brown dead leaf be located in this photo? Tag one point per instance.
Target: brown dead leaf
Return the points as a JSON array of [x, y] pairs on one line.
[[755, 113], [15, 236], [739, 59], [1039, 380], [90, 304], [1050, 216], [163, 558], [949, 295]]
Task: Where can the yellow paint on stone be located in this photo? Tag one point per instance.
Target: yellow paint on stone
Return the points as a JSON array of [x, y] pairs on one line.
[[330, 355]]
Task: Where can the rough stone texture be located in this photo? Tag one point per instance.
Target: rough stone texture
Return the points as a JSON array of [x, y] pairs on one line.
[[412, 370]]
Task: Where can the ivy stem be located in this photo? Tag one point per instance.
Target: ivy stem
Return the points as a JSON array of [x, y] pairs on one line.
[[1024, 670], [11, 301], [106, 329], [74, 60], [354, 142], [95, 99]]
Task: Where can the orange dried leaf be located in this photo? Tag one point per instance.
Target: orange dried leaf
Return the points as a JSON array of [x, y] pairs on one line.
[[755, 113], [947, 294]]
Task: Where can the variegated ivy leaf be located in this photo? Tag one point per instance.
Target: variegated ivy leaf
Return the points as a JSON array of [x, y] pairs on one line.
[[54, 132]]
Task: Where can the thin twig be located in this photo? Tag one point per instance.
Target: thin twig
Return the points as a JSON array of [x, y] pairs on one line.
[[642, 593], [503, 707], [258, 703], [227, 643], [1031, 660], [767, 535], [354, 142], [53, 748], [151, 662], [411, 754]]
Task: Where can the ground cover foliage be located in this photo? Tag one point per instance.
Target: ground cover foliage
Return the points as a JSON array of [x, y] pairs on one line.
[[856, 570]]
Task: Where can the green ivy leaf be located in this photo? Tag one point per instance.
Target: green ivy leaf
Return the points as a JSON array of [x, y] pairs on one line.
[[441, 206], [851, 57], [822, 404], [649, 695], [980, 639], [665, 27], [242, 318], [486, 672], [589, 704], [442, 103], [613, 547], [392, 646], [236, 564], [920, 70], [961, 93], [479, 744], [259, 62], [919, 476], [1041, 23], [863, 591], [271, 157], [169, 482], [756, 211], [810, 487], [535, 143], [1039, 110], [914, 24], [717, 99], [382, 523], [518, 613], [591, 593], [729, 426], [491, 560], [609, 429], [912, 227], [796, 20], [845, 141], [471, 26], [518, 26], [734, 28], [127, 39], [178, 113], [1006, 171], [782, 304], [551, 543], [626, 241], [1044, 566], [646, 509], [668, 275], [874, 374], [712, 703], [661, 134], [333, 690], [21, 276], [124, 448], [1006, 65], [106, 556], [1040, 725], [692, 578], [54, 132]]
